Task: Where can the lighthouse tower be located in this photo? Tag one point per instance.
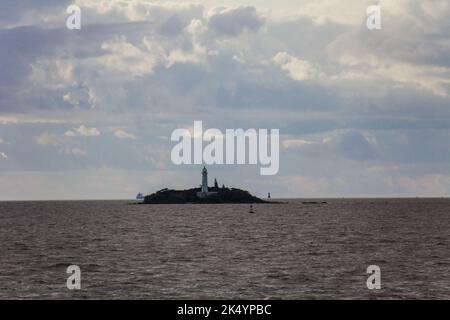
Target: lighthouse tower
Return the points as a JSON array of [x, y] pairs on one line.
[[204, 193], [204, 180]]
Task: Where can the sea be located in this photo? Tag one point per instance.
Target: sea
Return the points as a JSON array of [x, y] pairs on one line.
[[295, 249]]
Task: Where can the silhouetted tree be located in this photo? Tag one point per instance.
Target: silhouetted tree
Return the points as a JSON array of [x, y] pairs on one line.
[[215, 184]]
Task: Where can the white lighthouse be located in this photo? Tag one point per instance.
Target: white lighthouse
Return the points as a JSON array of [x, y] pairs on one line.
[[204, 193], [204, 180]]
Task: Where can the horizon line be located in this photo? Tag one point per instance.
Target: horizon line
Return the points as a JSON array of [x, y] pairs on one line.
[[265, 198]]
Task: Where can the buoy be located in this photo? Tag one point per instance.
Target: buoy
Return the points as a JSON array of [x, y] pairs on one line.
[[251, 209]]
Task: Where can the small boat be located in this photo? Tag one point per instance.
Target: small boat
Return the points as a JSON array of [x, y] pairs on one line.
[[140, 196]]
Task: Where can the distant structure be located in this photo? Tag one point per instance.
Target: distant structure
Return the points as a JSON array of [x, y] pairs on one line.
[[204, 180], [268, 196], [139, 196], [204, 188], [202, 194]]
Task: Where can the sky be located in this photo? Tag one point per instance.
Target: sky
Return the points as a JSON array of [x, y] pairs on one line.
[[88, 114]]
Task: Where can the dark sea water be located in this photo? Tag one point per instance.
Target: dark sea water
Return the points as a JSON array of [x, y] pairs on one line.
[[289, 251]]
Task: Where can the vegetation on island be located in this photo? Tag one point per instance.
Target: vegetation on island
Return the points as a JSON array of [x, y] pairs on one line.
[[216, 195]]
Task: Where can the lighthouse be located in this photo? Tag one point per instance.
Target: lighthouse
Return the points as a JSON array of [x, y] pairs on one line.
[[204, 193], [204, 180]]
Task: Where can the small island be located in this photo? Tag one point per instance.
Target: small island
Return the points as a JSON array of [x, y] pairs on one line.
[[203, 194]]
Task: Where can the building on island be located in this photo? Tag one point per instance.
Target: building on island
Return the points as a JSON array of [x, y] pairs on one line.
[[204, 187], [204, 180]]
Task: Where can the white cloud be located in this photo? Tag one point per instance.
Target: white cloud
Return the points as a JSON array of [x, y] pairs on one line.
[[3, 156], [139, 10], [296, 143], [348, 12], [124, 57], [53, 74], [83, 131], [70, 133], [28, 119], [297, 69], [48, 139], [123, 135], [364, 61]]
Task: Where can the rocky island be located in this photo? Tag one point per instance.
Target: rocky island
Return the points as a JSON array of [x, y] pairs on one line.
[[202, 194]]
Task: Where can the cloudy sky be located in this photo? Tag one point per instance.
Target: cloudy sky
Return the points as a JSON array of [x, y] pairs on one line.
[[89, 113]]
